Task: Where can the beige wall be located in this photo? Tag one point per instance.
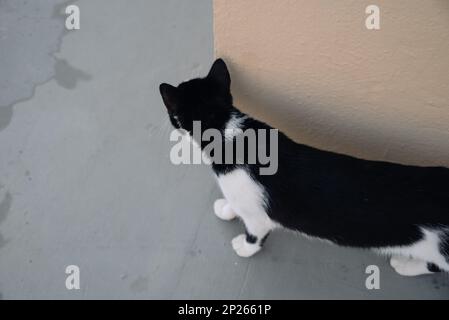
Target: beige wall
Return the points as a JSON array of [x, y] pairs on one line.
[[312, 69]]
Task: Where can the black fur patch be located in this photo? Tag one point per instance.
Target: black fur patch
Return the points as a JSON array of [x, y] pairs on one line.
[[250, 238], [262, 242], [433, 267]]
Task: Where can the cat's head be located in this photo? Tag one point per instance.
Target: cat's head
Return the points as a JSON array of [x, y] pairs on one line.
[[206, 99]]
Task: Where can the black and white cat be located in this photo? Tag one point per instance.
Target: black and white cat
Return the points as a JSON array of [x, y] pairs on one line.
[[398, 210]]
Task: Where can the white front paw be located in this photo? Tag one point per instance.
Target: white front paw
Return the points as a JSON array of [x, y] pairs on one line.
[[243, 248], [223, 210]]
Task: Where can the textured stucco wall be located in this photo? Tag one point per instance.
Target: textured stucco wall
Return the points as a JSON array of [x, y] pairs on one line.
[[312, 69]]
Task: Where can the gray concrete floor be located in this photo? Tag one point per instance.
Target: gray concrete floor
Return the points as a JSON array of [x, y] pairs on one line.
[[85, 176]]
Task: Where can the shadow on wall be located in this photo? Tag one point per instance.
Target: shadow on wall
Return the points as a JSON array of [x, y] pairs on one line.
[[316, 121], [316, 72]]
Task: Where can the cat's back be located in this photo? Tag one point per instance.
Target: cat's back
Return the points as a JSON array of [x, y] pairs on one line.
[[314, 178]]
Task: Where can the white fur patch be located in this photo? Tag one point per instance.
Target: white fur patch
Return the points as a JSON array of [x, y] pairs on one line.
[[177, 121], [426, 250], [409, 267], [233, 125]]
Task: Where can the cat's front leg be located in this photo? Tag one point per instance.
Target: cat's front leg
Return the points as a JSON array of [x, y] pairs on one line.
[[257, 230], [245, 245]]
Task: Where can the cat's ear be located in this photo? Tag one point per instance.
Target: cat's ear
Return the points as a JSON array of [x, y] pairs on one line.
[[170, 96], [220, 74]]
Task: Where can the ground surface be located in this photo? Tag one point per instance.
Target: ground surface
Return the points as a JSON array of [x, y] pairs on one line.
[[85, 176]]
